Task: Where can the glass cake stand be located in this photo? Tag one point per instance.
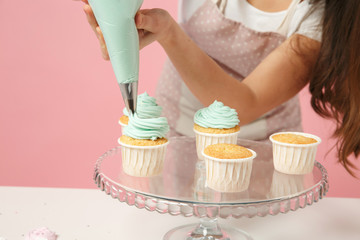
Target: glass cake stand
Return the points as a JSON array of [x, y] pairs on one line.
[[182, 190]]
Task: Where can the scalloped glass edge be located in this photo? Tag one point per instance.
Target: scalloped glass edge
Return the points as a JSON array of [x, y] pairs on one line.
[[175, 208]]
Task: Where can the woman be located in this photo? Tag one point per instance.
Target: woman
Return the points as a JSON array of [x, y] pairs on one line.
[[255, 56]]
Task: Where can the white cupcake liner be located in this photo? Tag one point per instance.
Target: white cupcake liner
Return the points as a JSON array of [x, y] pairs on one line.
[[228, 175], [143, 161], [294, 158], [205, 139]]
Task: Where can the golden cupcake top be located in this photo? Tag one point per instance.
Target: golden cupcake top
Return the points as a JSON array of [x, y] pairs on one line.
[[124, 119], [216, 130], [142, 142], [227, 151], [293, 138]]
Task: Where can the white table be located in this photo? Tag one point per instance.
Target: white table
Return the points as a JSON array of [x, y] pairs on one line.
[[87, 214]]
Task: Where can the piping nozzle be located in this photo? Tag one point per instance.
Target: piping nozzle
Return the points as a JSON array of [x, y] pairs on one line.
[[129, 93]]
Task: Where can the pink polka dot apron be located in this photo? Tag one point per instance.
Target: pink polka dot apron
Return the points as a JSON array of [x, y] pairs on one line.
[[238, 50]]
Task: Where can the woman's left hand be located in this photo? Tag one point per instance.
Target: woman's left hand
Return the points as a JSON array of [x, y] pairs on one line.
[[154, 25]]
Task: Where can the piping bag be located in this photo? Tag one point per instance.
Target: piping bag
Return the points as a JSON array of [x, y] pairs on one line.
[[117, 23]]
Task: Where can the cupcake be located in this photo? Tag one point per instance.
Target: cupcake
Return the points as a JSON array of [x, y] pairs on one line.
[[215, 124], [228, 167], [143, 146], [146, 108], [294, 152]]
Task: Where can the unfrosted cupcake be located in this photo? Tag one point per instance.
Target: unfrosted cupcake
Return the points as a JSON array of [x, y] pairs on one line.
[[143, 146], [146, 107], [215, 124], [228, 167], [294, 152]]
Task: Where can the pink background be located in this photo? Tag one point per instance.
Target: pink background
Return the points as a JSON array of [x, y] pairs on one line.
[[60, 103]]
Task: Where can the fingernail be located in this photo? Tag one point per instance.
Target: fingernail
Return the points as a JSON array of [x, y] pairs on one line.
[[86, 8], [103, 54]]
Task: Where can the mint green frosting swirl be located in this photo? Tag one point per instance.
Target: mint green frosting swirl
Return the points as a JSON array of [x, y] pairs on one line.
[[146, 107], [146, 128], [217, 115]]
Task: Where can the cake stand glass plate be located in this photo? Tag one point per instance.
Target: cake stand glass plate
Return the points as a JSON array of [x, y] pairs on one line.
[[181, 189]]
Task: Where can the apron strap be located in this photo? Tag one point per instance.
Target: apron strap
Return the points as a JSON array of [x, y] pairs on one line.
[[221, 4], [283, 29]]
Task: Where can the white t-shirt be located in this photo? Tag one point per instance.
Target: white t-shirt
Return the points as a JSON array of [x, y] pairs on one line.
[[305, 21]]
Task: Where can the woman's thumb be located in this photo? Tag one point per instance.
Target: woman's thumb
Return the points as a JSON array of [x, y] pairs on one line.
[[143, 21], [150, 19]]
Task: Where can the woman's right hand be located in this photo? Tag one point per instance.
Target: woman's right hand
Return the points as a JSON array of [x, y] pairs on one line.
[[95, 27]]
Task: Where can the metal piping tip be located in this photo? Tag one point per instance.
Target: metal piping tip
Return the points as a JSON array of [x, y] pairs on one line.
[[129, 93]]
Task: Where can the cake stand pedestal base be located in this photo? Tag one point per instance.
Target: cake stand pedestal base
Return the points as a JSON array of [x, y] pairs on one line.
[[208, 229]]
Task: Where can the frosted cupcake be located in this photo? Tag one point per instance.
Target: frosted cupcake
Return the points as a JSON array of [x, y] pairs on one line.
[[228, 167], [143, 146], [146, 108], [294, 152], [215, 124]]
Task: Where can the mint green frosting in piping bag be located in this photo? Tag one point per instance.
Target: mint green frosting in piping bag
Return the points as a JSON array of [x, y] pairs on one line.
[[217, 115], [116, 21]]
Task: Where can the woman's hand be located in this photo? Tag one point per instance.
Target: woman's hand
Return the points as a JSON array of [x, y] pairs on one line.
[[95, 27], [152, 24]]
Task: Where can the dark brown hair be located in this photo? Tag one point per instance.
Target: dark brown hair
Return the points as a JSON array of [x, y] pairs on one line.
[[335, 78]]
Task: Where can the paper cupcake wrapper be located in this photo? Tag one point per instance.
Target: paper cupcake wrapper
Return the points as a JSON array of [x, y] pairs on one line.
[[294, 158], [205, 139], [228, 175], [143, 161]]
